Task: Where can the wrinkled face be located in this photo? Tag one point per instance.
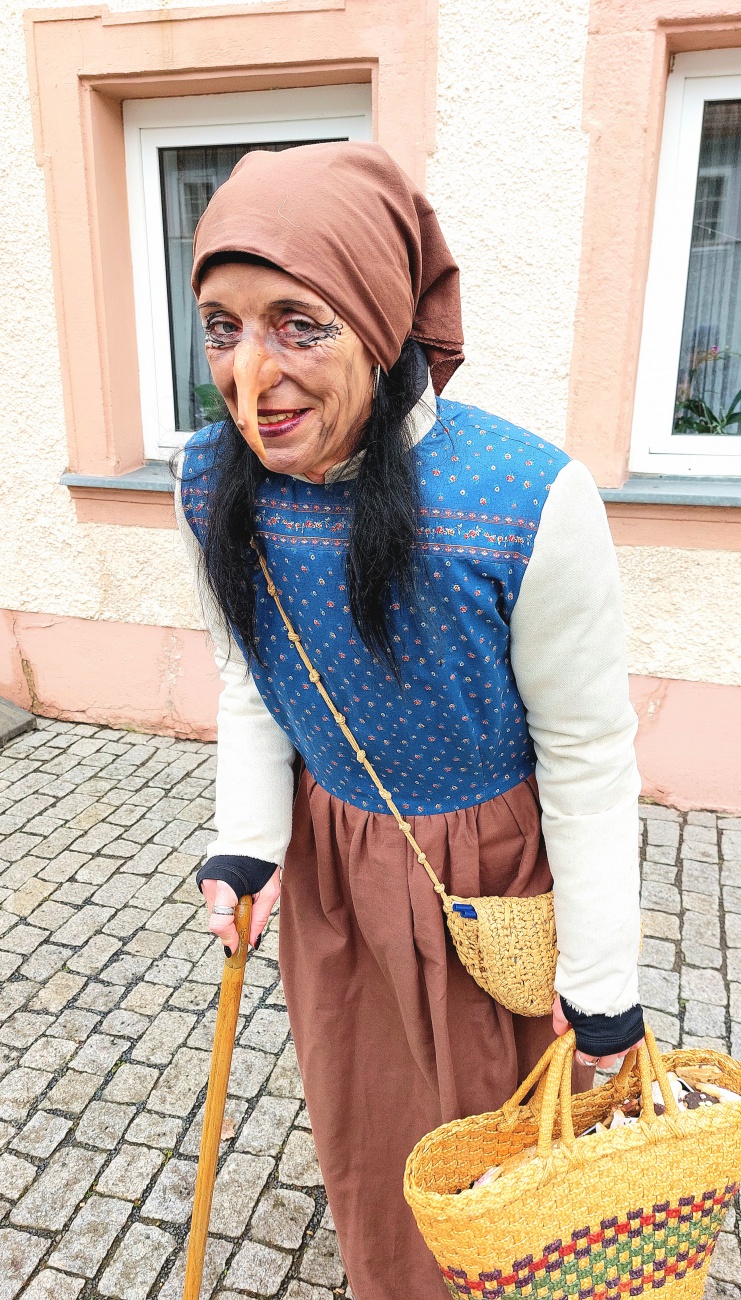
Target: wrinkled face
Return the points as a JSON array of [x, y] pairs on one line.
[[296, 379]]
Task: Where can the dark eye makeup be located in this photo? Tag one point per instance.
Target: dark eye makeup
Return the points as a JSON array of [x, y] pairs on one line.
[[298, 332]]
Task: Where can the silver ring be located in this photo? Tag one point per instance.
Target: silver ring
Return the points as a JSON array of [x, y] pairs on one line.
[[222, 911], [580, 1057]]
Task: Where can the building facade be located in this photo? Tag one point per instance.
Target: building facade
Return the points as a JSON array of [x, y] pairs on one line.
[[585, 162]]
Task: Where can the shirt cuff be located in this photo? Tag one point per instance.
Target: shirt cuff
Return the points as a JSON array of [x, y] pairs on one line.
[[602, 1035], [243, 874]]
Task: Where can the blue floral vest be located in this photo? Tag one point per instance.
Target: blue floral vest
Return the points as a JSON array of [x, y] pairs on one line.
[[454, 733]]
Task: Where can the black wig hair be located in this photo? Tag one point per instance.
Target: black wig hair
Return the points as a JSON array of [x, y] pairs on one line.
[[382, 554]]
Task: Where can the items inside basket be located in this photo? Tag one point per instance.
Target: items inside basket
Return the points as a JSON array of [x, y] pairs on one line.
[[693, 1087]]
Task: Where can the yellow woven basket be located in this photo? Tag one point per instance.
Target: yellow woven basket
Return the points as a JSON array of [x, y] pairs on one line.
[[509, 947], [615, 1214]]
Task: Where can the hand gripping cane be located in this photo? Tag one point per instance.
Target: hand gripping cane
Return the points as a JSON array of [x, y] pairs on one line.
[[218, 1081]]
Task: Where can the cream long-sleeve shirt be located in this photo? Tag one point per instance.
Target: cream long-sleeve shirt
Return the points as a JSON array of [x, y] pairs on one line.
[[567, 647]]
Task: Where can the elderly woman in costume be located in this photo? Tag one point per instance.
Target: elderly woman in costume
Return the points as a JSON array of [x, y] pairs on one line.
[[453, 580]]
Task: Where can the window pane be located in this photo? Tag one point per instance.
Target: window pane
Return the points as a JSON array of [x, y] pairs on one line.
[[188, 178], [709, 382]]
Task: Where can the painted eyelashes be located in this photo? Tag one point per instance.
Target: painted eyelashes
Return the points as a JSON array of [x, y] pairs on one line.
[[319, 334], [304, 339]]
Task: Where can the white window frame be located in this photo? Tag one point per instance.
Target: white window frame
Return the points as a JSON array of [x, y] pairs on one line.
[[317, 112], [694, 79]]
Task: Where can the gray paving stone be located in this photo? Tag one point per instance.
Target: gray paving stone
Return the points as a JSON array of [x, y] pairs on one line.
[[49, 1054], [148, 858], [659, 989], [146, 943], [42, 1134], [125, 1022], [99, 1053], [20, 1252], [258, 1269], [98, 997], [160, 1131], [238, 1186], [703, 986], [171, 1198], [700, 877], [267, 1127], [192, 997], [281, 1218], [131, 1083], [19, 1090], [72, 1092], [23, 1029], [661, 831], [104, 1123], [179, 1087], [165, 1034], [707, 904], [701, 1019], [50, 1285], [57, 992], [57, 1192], [662, 898], [15, 1176], [83, 925], [136, 1263], [126, 922], [285, 1081], [47, 959], [658, 952], [90, 1236], [701, 929], [126, 970], [303, 1291], [23, 939], [698, 954], [660, 925], [77, 1025], [731, 900], [267, 1030], [130, 1172], [699, 851], [170, 918], [249, 1071], [169, 971], [299, 1166], [94, 956], [725, 1264], [147, 998], [321, 1262]]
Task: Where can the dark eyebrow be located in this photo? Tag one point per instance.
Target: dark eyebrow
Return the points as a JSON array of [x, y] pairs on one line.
[[295, 304], [285, 304]]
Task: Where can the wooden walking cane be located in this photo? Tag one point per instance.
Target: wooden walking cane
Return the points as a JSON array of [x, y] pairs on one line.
[[218, 1081]]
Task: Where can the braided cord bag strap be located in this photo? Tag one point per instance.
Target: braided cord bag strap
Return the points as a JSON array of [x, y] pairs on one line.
[[360, 754]]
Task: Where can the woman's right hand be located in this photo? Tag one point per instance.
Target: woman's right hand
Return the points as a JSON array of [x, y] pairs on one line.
[[218, 894]]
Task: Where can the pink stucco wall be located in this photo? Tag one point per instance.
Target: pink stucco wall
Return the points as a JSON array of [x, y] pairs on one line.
[[164, 680]]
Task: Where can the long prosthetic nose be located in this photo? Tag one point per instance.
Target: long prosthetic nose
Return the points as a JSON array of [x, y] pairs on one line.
[[255, 371]]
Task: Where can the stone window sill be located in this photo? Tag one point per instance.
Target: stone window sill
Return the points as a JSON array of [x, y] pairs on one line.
[[671, 490], [685, 513], [142, 498]]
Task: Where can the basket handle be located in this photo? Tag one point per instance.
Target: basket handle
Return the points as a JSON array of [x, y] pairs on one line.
[[557, 1091]]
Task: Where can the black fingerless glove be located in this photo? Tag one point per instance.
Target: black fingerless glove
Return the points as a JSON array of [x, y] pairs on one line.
[[244, 875], [605, 1035]]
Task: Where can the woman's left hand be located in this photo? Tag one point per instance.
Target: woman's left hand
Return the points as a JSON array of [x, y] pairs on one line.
[[562, 1026]]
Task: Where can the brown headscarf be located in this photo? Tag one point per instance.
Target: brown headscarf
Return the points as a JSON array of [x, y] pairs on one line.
[[348, 222]]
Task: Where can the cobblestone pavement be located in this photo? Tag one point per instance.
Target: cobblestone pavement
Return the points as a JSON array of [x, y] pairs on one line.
[[107, 1005]]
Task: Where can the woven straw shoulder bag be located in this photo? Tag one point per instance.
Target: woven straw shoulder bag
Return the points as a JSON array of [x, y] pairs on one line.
[[508, 945], [617, 1213]]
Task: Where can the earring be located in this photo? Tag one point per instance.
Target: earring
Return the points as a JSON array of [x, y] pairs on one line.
[[376, 381]]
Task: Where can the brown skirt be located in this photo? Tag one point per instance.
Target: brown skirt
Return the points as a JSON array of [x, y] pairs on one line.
[[393, 1036]]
